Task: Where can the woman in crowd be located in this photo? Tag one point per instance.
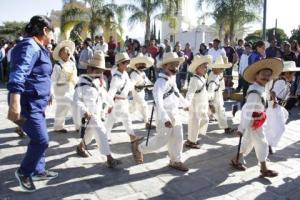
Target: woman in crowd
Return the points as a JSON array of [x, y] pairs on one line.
[[29, 93]]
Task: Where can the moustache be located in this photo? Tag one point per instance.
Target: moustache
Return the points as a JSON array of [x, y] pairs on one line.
[[173, 71]]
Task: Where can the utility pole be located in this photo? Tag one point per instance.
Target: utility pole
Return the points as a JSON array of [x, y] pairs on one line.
[[264, 21]]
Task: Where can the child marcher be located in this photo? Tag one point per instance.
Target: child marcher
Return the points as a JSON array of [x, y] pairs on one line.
[[140, 81], [253, 116], [88, 107], [277, 114], [215, 87], [167, 100], [197, 99], [64, 78]]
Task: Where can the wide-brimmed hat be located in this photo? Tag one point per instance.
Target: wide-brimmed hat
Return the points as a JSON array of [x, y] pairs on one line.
[[221, 63], [274, 64], [98, 61], [121, 57], [199, 60], [290, 66], [171, 57], [64, 43], [141, 59]]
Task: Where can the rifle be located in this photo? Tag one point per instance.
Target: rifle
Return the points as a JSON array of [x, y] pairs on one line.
[[84, 123]]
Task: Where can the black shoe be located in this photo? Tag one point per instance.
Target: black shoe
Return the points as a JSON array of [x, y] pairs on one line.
[[47, 175], [25, 182]]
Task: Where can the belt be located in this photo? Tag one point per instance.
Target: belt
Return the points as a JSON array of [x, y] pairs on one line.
[[281, 102], [120, 98]]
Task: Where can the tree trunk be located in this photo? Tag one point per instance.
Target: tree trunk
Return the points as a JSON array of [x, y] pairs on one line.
[[148, 24]]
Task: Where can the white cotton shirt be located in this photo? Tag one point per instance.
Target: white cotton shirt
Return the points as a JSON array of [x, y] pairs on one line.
[[101, 47], [216, 53], [243, 63], [118, 81]]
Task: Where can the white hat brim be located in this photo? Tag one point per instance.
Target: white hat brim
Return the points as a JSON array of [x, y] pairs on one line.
[[169, 60], [147, 60], [196, 63], [221, 66], [276, 65], [64, 43]]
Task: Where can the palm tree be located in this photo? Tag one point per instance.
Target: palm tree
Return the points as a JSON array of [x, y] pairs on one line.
[[231, 14], [91, 14], [143, 11]]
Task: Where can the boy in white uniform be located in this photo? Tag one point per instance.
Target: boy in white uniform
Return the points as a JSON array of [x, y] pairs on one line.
[[277, 114], [197, 99], [87, 105], [253, 116], [140, 81], [64, 78], [215, 86], [120, 86], [167, 100]]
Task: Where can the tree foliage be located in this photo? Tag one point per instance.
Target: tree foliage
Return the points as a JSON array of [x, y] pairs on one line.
[[280, 35], [230, 15], [296, 34], [144, 11], [12, 29], [97, 13]]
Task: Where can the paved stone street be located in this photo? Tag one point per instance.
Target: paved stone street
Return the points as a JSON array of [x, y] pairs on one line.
[[210, 176]]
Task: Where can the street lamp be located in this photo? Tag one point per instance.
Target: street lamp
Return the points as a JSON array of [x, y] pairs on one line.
[[264, 21]]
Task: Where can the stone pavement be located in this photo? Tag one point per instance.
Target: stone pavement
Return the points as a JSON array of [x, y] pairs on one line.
[[210, 175]]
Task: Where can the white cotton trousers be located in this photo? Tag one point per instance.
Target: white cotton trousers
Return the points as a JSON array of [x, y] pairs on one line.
[[276, 120], [257, 139], [121, 111], [63, 98], [172, 137], [198, 123], [221, 115], [95, 129], [140, 105]]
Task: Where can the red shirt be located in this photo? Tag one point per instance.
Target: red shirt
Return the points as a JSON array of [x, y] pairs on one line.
[[111, 48], [153, 50]]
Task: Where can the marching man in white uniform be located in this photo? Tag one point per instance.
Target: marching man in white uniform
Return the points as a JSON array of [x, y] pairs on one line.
[[215, 86], [197, 99], [140, 81], [64, 78], [253, 116], [277, 114], [120, 86], [167, 100], [87, 106]]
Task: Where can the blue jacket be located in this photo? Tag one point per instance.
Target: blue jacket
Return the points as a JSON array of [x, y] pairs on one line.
[[254, 57], [30, 75]]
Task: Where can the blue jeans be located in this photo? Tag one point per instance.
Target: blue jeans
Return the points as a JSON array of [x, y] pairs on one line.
[[36, 128]]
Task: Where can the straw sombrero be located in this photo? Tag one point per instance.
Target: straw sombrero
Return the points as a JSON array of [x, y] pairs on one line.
[[171, 57], [221, 63], [98, 61], [121, 57], [275, 64], [141, 59], [199, 60], [290, 66], [64, 43]]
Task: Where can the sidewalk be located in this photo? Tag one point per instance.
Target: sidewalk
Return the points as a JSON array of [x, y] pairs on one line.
[[210, 175]]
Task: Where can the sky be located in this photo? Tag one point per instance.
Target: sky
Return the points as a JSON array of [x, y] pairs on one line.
[[22, 10]]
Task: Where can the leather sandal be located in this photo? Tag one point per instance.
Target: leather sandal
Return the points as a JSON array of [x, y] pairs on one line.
[[269, 173], [192, 145], [81, 152], [239, 166], [113, 163]]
